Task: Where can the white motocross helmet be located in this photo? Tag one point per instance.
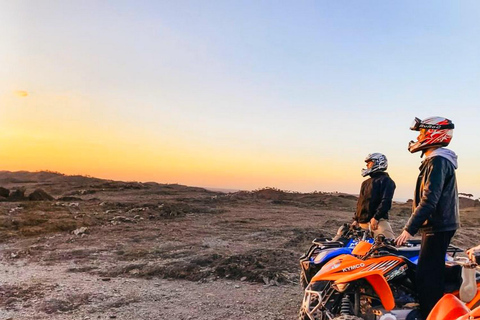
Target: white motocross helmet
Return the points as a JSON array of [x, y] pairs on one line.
[[380, 163]]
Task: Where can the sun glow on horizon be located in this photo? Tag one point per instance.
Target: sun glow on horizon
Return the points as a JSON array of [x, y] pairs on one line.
[[21, 93]]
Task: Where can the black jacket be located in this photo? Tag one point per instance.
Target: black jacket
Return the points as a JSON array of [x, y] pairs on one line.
[[435, 207], [375, 197]]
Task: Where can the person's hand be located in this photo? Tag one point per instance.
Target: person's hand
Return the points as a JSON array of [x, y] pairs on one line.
[[354, 223], [401, 239], [471, 252], [374, 224]]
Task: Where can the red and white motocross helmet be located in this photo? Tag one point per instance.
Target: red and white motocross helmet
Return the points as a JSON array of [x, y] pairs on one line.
[[438, 132]]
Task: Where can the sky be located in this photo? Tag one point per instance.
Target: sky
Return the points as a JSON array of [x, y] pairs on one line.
[[236, 94]]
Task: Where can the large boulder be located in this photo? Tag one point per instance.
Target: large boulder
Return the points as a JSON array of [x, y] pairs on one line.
[[40, 195], [18, 195], [4, 192]]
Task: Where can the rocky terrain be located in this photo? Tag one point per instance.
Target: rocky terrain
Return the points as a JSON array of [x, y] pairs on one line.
[[75, 247]]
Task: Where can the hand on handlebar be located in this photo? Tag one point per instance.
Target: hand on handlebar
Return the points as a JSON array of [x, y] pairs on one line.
[[472, 251], [401, 239]]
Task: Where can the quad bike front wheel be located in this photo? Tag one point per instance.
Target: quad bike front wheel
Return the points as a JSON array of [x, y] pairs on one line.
[[303, 280]]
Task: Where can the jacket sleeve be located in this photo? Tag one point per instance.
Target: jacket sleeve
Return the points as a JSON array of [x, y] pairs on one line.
[[432, 191], [386, 200]]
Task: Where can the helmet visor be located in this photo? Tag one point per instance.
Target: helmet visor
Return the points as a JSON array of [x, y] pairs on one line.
[[416, 124]]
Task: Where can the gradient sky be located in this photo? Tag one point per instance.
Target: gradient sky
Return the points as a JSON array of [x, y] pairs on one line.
[[236, 94]]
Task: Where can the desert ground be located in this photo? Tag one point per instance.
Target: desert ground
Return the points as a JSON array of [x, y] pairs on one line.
[[101, 249]]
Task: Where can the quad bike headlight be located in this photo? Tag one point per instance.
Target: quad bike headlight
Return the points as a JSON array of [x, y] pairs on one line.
[[320, 256], [340, 287]]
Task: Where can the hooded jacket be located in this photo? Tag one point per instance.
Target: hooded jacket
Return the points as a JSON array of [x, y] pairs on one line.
[[435, 206], [375, 198]]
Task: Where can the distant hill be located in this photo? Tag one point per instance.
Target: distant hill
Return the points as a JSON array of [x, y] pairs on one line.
[[468, 203], [57, 183], [43, 176]]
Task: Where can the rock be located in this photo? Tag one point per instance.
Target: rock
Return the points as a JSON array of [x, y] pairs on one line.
[[18, 195], [80, 231], [123, 219], [4, 192], [134, 271], [40, 195], [15, 209]]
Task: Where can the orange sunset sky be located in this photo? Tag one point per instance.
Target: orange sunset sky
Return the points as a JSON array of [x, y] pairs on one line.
[[236, 95]]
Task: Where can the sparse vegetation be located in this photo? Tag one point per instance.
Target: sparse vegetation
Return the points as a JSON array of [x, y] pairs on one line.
[[112, 243]]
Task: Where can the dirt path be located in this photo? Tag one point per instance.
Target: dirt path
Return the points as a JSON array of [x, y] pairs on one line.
[[118, 271], [53, 293]]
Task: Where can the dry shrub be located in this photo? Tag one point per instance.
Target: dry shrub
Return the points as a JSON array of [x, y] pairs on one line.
[[133, 253], [122, 301], [122, 270], [70, 303], [81, 269], [258, 265], [53, 226], [12, 294], [176, 210], [76, 255]]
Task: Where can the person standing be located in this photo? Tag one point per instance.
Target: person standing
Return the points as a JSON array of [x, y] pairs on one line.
[[375, 199], [435, 207]]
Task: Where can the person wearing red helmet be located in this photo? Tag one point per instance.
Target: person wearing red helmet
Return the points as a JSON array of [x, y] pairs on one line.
[[435, 207]]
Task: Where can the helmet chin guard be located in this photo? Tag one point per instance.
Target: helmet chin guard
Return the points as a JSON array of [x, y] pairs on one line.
[[438, 133]]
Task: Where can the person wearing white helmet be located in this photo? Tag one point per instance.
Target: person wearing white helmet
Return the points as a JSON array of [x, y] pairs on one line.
[[375, 199], [435, 207]]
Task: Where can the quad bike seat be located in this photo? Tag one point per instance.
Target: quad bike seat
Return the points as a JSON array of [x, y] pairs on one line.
[[453, 278], [463, 279]]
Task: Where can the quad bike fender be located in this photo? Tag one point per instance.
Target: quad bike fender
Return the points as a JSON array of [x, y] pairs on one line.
[[378, 283], [475, 313], [448, 308]]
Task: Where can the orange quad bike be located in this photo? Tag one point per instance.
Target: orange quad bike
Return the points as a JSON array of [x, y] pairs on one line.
[[451, 307], [376, 282]]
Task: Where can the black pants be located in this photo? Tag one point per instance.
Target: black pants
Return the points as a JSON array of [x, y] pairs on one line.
[[431, 269]]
